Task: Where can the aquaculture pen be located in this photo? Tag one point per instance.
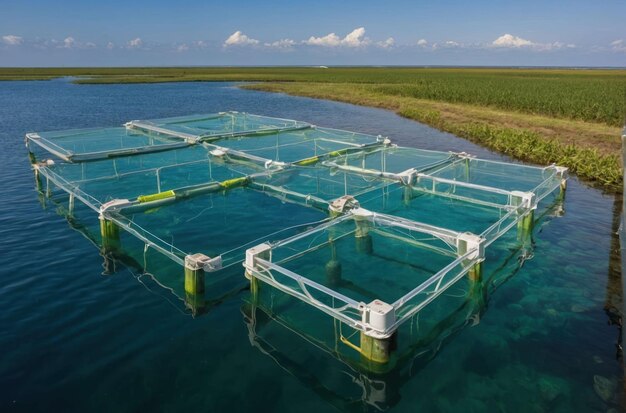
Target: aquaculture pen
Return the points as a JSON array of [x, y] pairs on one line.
[[358, 228]]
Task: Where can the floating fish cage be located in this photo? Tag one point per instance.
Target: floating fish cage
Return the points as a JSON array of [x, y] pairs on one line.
[[368, 233]]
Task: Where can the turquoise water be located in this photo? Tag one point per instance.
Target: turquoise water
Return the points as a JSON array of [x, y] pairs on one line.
[[76, 336]]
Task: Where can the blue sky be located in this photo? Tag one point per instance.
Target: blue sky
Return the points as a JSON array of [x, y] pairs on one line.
[[115, 33]]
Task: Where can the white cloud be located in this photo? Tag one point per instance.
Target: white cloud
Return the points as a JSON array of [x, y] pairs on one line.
[[508, 40], [284, 44], [68, 42], [110, 45], [200, 44], [386, 44], [451, 43], [135, 43], [12, 40], [422, 42], [240, 39], [356, 38], [618, 45], [330, 40], [515, 42], [182, 48]]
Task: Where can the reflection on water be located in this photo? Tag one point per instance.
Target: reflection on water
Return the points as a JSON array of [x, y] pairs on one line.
[[614, 303]]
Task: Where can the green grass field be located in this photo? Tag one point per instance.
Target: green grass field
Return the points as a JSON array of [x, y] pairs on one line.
[[572, 117]]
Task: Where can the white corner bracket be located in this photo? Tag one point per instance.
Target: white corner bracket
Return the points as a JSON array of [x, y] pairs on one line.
[[343, 204], [114, 205], [200, 261], [263, 251], [378, 318], [528, 200], [408, 177], [385, 140], [561, 171], [463, 155], [468, 242]]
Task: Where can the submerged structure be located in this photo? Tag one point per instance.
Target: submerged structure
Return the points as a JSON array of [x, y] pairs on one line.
[[368, 233]]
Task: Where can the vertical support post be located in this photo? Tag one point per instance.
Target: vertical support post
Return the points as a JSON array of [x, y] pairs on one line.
[[363, 239], [70, 206], [194, 283], [48, 188], [525, 226], [562, 173], [376, 350], [263, 251], [467, 242], [333, 266], [526, 200], [477, 292], [38, 183], [110, 233], [407, 195], [376, 347], [475, 273], [31, 157]]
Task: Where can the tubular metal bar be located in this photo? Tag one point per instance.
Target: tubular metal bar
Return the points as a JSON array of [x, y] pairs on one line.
[[446, 235], [392, 175], [252, 133], [68, 187], [192, 138], [341, 313], [251, 115], [464, 184], [93, 156], [335, 132], [362, 171], [463, 261], [339, 142], [314, 248], [278, 191], [147, 237], [414, 242], [433, 190], [318, 228], [69, 156], [156, 170], [48, 146], [233, 153], [497, 227], [147, 127], [549, 185], [455, 159]]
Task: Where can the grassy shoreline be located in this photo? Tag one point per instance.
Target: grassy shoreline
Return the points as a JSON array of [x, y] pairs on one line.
[[564, 116], [536, 139]]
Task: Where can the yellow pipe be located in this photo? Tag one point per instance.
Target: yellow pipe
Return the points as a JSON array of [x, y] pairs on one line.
[[232, 183], [350, 344], [308, 161], [156, 197], [337, 153]]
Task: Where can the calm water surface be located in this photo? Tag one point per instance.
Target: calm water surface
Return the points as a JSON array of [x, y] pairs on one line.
[[73, 339]]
